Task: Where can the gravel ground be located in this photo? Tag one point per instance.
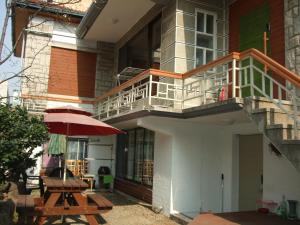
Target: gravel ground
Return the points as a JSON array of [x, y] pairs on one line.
[[126, 211]]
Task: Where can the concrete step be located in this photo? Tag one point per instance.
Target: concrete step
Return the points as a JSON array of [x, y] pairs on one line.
[[281, 132], [261, 102], [270, 116]]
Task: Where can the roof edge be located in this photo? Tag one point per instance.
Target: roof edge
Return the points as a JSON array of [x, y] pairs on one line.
[[88, 20]]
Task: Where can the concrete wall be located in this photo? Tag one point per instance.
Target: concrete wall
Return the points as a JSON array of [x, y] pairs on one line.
[[168, 37], [280, 178], [189, 158], [178, 33], [185, 31], [197, 162], [162, 172]]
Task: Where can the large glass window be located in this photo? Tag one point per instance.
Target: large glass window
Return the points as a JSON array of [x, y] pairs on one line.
[[205, 37], [77, 149], [143, 50], [135, 156]]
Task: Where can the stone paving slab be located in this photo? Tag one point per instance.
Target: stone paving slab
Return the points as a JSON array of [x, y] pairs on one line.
[[126, 211]]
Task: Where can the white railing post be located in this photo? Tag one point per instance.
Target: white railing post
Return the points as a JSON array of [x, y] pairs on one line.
[[131, 96], [234, 78], [251, 77], [107, 107], [150, 89], [118, 104], [203, 88], [182, 93], [295, 112]]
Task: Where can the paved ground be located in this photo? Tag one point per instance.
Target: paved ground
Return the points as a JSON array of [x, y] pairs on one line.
[[126, 211], [242, 218]]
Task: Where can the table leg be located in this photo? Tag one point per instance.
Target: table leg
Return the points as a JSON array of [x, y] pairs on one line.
[[81, 200], [91, 219], [50, 203]]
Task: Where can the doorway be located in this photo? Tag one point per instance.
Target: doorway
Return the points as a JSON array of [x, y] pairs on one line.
[[250, 171]]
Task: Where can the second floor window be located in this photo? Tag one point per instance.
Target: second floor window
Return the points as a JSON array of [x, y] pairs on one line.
[[205, 37]]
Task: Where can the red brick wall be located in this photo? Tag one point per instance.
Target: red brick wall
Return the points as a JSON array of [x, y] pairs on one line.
[[72, 73], [242, 7]]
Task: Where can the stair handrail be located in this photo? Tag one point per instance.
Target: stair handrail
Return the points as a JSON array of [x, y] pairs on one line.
[[272, 64]]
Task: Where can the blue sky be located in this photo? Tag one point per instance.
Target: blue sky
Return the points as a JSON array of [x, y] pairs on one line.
[[13, 64]]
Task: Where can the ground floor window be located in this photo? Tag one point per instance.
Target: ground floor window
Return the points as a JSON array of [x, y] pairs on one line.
[[135, 156], [77, 152]]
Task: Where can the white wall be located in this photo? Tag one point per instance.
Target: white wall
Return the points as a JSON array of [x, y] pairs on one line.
[[4, 92], [280, 178], [162, 172], [101, 148], [199, 154]]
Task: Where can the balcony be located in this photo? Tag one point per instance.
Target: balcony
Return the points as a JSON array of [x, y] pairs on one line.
[[237, 75]]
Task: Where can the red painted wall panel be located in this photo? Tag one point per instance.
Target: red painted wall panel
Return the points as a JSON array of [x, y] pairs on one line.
[[72, 73]]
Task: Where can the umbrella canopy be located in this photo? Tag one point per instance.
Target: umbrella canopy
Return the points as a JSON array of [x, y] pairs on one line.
[[68, 109], [57, 144], [72, 121], [75, 124]]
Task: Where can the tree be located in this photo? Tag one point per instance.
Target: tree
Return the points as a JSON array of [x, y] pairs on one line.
[[20, 134]]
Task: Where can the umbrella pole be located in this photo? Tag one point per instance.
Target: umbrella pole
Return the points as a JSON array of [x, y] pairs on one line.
[[65, 164]]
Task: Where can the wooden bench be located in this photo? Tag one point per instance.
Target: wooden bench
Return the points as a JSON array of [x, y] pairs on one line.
[[25, 207], [102, 203]]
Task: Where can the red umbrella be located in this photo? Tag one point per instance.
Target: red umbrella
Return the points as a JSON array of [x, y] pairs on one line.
[[73, 121], [75, 124], [68, 109]]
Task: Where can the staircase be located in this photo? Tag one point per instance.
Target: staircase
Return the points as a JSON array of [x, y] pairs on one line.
[[276, 125]]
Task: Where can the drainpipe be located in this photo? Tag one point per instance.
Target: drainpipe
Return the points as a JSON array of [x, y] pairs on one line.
[[90, 17]]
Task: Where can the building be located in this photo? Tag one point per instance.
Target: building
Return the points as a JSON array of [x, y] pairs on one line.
[[4, 96], [212, 123]]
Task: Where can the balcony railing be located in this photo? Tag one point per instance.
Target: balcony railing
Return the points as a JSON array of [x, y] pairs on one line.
[[249, 73]]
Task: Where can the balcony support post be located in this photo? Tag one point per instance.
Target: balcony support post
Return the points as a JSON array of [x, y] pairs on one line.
[[150, 90], [234, 78], [107, 109], [295, 112], [251, 77]]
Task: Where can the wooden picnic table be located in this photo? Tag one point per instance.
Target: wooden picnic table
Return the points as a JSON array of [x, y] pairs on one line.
[[66, 198]]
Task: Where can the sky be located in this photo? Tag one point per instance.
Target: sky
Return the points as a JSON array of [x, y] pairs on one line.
[[13, 65]]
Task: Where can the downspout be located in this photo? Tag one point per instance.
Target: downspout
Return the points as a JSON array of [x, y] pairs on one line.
[[90, 17]]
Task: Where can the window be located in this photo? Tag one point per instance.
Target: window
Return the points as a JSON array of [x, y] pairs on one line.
[[205, 37], [135, 156], [77, 149], [143, 50]]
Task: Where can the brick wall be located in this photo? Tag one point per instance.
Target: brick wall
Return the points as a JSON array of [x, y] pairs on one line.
[[72, 73]]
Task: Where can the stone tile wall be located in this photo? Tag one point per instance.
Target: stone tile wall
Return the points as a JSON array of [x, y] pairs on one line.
[[292, 35], [104, 68]]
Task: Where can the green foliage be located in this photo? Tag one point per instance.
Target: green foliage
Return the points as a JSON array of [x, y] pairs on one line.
[[20, 133]]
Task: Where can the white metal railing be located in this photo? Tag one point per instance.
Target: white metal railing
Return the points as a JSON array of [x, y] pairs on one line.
[[147, 92], [245, 74], [34, 105]]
